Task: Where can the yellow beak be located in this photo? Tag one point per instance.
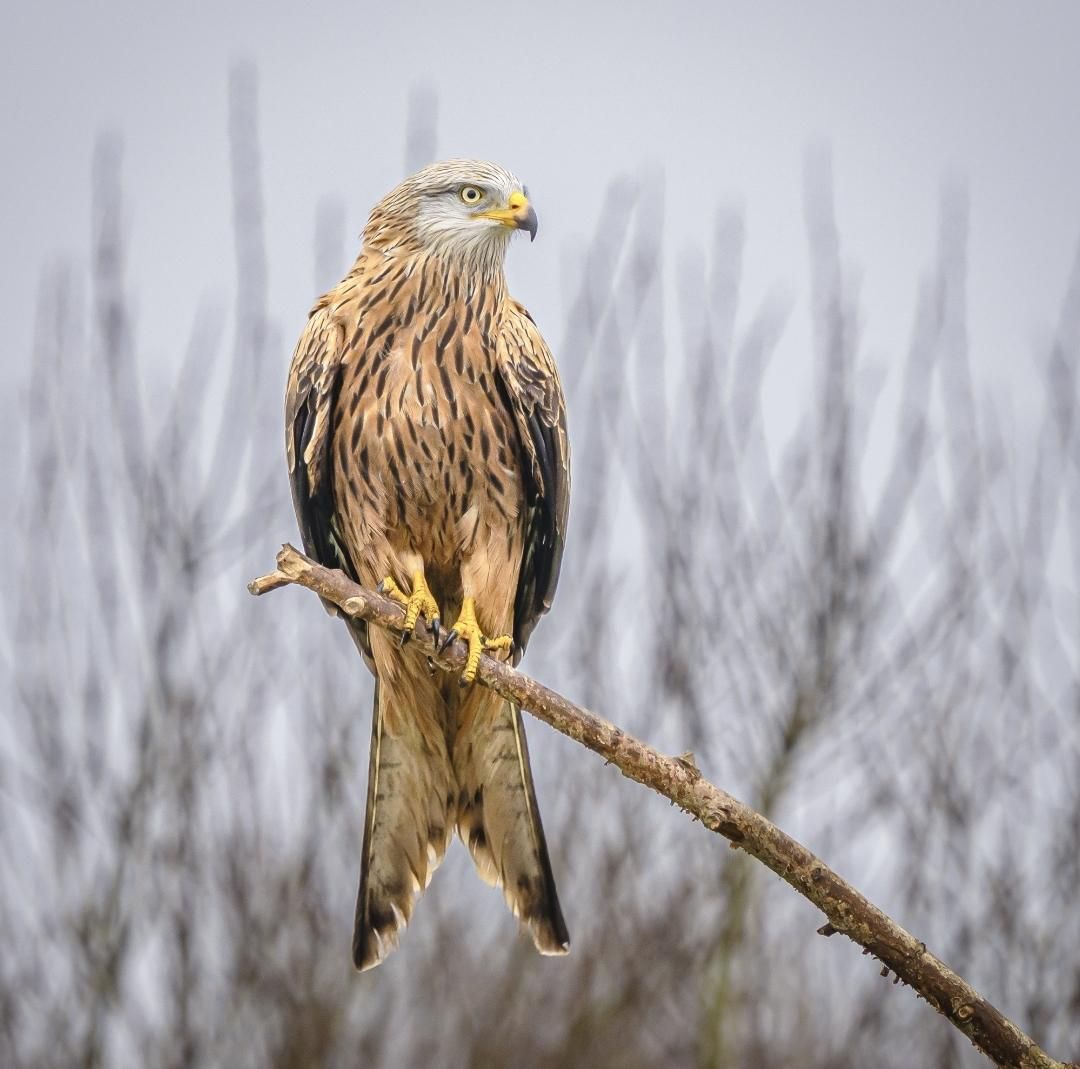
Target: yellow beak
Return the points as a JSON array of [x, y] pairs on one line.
[[517, 214]]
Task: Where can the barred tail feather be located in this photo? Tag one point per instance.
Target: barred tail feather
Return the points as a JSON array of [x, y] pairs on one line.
[[408, 824], [499, 821]]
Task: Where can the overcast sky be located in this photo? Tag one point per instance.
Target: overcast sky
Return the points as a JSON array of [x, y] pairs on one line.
[[724, 98]]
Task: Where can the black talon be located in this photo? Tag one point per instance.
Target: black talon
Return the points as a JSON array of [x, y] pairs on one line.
[[435, 630], [450, 639], [381, 588], [405, 636]]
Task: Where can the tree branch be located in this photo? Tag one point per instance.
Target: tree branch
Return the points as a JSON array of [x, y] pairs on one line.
[[678, 779]]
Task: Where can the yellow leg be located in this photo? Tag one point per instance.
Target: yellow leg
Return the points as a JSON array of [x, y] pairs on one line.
[[419, 603], [468, 629]]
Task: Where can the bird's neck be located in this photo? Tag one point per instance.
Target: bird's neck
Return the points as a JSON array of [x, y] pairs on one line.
[[437, 272]]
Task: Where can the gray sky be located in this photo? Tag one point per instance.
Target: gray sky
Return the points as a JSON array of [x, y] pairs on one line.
[[724, 98]]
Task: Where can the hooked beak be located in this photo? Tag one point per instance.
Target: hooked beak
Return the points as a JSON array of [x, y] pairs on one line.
[[518, 214]]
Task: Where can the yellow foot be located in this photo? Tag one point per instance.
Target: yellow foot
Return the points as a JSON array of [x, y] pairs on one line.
[[419, 603], [468, 629]]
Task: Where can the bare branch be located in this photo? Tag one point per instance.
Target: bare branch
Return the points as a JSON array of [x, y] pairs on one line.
[[678, 779]]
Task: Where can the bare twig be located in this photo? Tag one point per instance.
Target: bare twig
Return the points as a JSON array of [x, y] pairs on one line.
[[678, 779]]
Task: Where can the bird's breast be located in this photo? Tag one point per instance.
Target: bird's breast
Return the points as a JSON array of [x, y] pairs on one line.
[[426, 446]]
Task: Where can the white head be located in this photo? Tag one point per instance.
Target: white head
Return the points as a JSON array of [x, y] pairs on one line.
[[461, 208]]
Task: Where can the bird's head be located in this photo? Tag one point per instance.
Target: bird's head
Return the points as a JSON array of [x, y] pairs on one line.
[[460, 208]]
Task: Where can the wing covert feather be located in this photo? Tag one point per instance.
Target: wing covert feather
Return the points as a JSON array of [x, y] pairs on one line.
[[310, 403], [531, 385]]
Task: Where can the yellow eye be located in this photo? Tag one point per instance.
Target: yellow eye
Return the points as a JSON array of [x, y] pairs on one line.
[[471, 195]]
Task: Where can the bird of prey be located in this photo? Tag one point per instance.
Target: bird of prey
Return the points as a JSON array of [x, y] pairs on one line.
[[427, 449]]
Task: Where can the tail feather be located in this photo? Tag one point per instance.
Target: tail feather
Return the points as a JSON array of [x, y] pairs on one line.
[[408, 824], [498, 818]]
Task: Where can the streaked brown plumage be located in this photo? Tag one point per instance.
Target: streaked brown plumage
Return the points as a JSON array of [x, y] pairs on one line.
[[426, 438]]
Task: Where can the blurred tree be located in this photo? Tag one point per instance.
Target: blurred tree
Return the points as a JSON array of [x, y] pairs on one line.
[[867, 629]]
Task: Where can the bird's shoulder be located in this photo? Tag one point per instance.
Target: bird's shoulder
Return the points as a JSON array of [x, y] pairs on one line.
[[316, 364]]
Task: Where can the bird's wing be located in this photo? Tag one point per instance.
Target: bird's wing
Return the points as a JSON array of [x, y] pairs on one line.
[[310, 402], [531, 387]]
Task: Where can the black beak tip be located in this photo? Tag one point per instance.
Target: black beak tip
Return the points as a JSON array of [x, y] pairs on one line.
[[529, 224]]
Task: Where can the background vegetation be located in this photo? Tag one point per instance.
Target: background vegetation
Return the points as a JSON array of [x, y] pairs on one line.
[[866, 629]]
